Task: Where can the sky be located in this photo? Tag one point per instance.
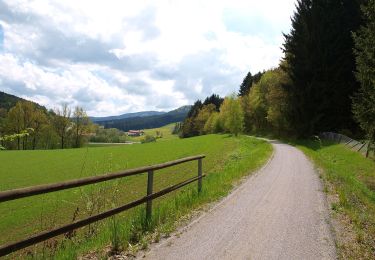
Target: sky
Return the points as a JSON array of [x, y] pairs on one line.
[[112, 57]]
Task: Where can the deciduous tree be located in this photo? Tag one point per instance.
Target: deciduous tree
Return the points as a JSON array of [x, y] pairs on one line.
[[231, 115], [81, 125], [62, 123]]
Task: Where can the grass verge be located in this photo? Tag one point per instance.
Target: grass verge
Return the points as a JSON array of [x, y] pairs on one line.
[[350, 181]]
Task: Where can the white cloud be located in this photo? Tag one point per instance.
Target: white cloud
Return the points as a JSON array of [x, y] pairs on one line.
[[114, 57]]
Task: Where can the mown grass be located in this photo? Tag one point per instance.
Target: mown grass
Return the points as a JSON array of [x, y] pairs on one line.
[[350, 177], [228, 159], [166, 132]]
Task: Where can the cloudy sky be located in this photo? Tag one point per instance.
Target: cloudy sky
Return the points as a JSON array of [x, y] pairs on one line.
[[114, 57]]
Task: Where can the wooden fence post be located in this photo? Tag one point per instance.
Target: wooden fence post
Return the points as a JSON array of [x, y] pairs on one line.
[[200, 175], [150, 181]]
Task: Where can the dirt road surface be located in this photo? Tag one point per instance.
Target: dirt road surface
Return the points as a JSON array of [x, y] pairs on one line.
[[278, 213]]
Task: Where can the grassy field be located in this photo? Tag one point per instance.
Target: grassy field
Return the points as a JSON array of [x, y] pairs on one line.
[[166, 132], [228, 159], [350, 180]]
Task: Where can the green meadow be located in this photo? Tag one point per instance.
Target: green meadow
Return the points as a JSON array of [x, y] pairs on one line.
[[227, 160], [350, 178]]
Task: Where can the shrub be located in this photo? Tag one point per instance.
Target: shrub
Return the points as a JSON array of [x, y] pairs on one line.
[[148, 139]]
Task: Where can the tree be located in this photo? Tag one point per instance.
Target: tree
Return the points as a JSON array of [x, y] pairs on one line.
[[3, 116], [231, 115], [39, 121], [208, 126], [320, 62], [11, 137], [257, 77], [187, 129], [28, 117], [81, 125], [62, 123], [258, 106], [364, 99], [246, 85], [177, 128], [266, 107], [15, 122], [202, 117], [277, 100], [248, 121], [193, 112], [215, 100]]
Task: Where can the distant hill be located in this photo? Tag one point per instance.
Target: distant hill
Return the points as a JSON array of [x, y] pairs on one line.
[[125, 122], [8, 101], [145, 122], [127, 115]]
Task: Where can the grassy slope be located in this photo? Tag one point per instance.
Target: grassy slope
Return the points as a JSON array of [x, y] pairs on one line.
[[165, 130], [351, 178], [228, 159]]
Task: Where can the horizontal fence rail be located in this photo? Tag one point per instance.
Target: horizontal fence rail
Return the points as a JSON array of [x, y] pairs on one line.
[[41, 189]]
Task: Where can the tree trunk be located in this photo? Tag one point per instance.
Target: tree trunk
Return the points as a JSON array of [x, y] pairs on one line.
[[34, 142], [77, 138]]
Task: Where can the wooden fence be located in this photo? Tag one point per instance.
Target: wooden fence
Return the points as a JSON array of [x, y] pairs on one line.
[[41, 189], [361, 147]]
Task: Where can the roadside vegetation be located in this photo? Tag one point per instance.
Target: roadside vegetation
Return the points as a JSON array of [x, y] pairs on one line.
[[350, 182], [228, 159]]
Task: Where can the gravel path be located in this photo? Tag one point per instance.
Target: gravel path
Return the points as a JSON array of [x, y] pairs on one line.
[[278, 213]]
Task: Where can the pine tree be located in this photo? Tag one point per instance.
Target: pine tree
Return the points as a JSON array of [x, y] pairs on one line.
[[195, 109], [364, 100], [214, 99], [246, 85], [257, 77], [319, 61]]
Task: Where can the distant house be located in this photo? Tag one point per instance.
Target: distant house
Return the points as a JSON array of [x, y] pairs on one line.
[[135, 133]]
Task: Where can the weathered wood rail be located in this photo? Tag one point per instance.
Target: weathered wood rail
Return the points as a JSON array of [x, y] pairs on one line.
[[47, 188]]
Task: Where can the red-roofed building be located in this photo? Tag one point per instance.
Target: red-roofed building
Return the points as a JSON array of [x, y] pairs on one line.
[[135, 133]]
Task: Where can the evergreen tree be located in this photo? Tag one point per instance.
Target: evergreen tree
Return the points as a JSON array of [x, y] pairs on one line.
[[320, 62], [195, 109], [246, 85], [364, 100], [214, 99], [257, 77]]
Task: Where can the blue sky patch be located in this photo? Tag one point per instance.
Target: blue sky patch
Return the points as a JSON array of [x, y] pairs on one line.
[[249, 24]]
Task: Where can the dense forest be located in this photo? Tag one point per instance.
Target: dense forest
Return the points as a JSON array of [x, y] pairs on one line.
[[325, 81]]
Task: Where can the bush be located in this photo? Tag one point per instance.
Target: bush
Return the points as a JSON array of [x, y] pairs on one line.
[[148, 139]]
